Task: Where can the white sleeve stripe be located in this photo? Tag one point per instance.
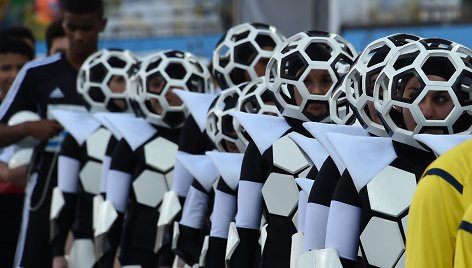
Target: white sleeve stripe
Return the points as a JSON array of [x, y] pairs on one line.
[[224, 210], [19, 78], [302, 203], [249, 205], [316, 219], [118, 189], [68, 174], [182, 178], [195, 209], [343, 229], [105, 168]]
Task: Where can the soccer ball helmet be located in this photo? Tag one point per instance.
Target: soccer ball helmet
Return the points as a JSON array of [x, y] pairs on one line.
[[242, 51], [155, 79], [103, 77], [426, 74], [359, 82], [288, 73]]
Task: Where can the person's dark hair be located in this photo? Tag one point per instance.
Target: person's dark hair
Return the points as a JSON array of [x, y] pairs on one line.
[[54, 30], [84, 6], [19, 32], [13, 44]]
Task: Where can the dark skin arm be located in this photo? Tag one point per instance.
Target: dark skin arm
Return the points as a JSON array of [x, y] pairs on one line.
[[41, 130]]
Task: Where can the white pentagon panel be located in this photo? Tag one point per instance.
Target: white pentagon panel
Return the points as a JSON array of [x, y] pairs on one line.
[[82, 253], [280, 194], [382, 242], [90, 177], [160, 154], [149, 188], [97, 143], [287, 156], [391, 191]]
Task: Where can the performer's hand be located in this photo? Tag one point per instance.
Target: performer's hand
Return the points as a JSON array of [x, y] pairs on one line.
[[59, 262], [42, 129]]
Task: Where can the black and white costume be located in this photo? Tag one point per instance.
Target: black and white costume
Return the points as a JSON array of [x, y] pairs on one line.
[[375, 199], [224, 206], [79, 170], [193, 141], [142, 163], [271, 163]]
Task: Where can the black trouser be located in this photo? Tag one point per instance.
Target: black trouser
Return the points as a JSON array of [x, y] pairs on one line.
[[11, 206], [37, 251]]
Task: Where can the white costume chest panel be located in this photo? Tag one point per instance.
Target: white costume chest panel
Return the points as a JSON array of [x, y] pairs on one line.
[[150, 186]]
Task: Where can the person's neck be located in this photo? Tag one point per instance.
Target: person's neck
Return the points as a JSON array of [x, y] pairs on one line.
[[76, 60]]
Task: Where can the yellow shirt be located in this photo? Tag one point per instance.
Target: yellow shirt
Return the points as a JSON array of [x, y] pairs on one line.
[[440, 201]]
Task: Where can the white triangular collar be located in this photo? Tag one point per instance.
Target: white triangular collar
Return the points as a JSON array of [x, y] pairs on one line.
[[311, 147], [363, 156], [319, 131], [201, 167], [305, 184], [102, 118], [80, 124], [197, 104], [441, 143], [228, 165], [263, 129], [135, 130]]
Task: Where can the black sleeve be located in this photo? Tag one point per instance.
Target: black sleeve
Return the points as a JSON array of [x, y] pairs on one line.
[[70, 147], [112, 142], [62, 225], [346, 193], [60, 228], [123, 158], [20, 96], [192, 140], [190, 241], [325, 183], [253, 170], [253, 167], [216, 252]]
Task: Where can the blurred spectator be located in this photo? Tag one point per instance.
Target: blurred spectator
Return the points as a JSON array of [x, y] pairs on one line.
[[21, 32], [14, 53], [56, 40]]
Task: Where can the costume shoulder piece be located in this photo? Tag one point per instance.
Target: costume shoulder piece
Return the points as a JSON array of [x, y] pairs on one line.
[[263, 129], [319, 131], [363, 156], [197, 104], [201, 167], [440, 144], [228, 165], [312, 148], [80, 124], [305, 184], [135, 130], [102, 118]]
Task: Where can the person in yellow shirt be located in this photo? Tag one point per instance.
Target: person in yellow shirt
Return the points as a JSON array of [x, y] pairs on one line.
[[439, 230]]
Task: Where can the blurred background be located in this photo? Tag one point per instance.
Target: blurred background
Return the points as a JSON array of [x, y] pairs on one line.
[[196, 25]]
